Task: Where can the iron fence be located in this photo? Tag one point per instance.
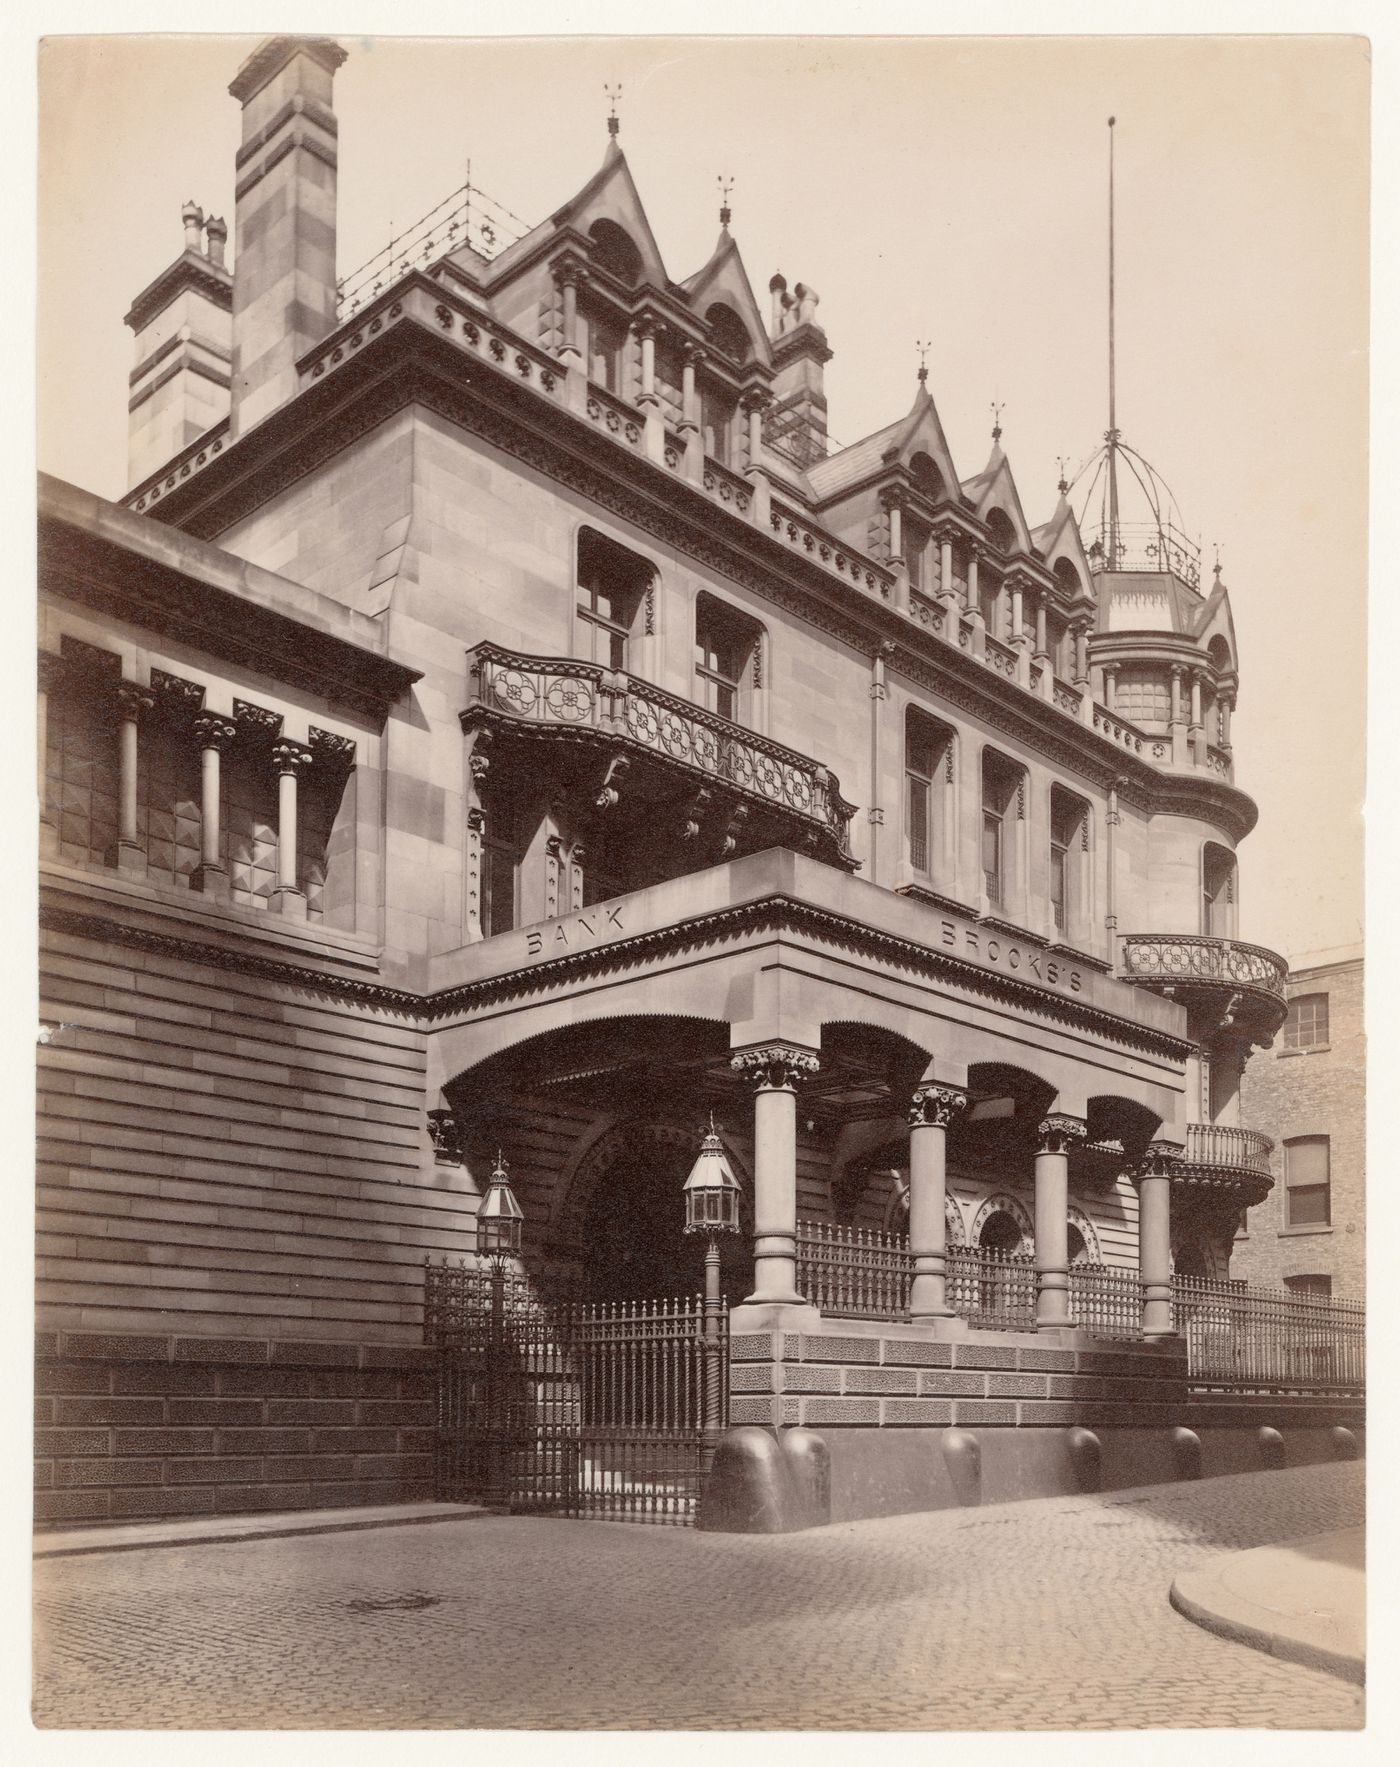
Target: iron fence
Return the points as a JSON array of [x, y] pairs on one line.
[[992, 1289], [1106, 1300], [854, 1272], [606, 1409], [1266, 1340]]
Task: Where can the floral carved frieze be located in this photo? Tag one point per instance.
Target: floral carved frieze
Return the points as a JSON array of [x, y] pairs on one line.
[[937, 1107], [776, 1067]]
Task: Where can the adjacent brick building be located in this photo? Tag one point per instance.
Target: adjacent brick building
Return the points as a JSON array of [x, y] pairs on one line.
[[1308, 1093]]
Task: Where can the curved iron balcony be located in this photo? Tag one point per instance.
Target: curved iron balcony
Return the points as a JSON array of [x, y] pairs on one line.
[[1237, 983], [564, 698]]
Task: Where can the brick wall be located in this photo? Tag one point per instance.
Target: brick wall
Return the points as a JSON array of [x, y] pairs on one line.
[[1317, 1091]]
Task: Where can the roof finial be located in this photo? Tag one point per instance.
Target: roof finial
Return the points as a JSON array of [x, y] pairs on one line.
[[613, 93], [923, 349], [1217, 561], [726, 184], [998, 406], [1063, 486]]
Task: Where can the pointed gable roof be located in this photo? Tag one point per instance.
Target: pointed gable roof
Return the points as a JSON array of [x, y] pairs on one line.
[[994, 488], [723, 278], [611, 195], [1060, 538], [1213, 619], [919, 431]]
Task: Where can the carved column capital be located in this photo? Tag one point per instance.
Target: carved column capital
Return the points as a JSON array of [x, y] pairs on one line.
[[213, 732], [1059, 1133], [694, 355], [446, 1135], [755, 399], [1160, 1159], [936, 1106], [776, 1067], [133, 702], [291, 757]]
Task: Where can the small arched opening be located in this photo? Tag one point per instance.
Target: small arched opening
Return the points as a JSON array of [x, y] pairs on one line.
[[614, 252], [728, 333]]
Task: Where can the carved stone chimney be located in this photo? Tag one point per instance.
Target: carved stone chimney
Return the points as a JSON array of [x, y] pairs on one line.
[[797, 422], [180, 380], [284, 219]]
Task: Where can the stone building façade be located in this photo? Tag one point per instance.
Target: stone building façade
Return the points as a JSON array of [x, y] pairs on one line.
[[494, 720]]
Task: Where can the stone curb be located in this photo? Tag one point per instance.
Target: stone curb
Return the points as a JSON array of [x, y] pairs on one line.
[[1198, 1596], [143, 1537]]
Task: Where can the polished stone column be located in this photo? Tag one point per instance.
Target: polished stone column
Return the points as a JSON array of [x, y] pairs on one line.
[[1110, 687], [1227, 705], [933, 1110], [1153, 1177], [1058, 1134], [689, 426], [775, 1071], [290, 759], [214, 734], [132, 705]]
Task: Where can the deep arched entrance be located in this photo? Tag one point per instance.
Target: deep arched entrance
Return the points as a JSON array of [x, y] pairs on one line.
[[633, 1245]]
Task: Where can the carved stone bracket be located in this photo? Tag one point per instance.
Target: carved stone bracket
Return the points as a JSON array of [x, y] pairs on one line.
[[776, 1067], [733, 828], [936, 1106], [178, 698], [256, 723], [1060, 1134], [331, 749], [618, 768], [695, 813], [446, 1134]]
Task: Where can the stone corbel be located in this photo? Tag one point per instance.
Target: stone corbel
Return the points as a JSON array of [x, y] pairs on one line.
[[733, 828], [617, 770], [446, 1137], [695, 813]]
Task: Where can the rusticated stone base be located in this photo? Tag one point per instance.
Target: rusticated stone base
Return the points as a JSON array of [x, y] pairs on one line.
[[134, 1427]]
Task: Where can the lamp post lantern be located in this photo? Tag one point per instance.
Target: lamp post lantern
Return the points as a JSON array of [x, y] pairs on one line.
[[712, 1208], [498, 1225]]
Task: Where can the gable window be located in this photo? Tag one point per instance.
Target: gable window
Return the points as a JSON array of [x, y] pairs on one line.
[[612, 587], [726, 655], [1306, 1024], [1307, 1181]]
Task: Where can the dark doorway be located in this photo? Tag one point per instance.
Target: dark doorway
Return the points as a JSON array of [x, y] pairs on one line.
[[636, 1246]]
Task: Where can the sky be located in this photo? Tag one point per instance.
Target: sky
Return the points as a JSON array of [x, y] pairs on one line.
[[951, 190]]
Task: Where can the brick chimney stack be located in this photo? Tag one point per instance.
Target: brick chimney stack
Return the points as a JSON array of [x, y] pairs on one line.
[[284, 219]]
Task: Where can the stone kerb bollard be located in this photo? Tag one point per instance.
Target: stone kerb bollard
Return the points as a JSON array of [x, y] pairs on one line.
[[808, 1461], [1271, 1450], [1344, 1443], [1085, 1458], [962, 1454], [1186, 1452], [765, 1484]]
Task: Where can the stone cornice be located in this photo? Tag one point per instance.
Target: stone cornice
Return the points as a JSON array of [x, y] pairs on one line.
[[407, 363], [189, 270], [273, 54], [774, 914]]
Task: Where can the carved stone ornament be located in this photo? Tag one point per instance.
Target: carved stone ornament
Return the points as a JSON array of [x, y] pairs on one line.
[[1160, 1159], [937, 1107], [291, 757], [618, 768], [133, 702], [1060, 1134], [330, 748], [776, 1067], [214, 732], [256, 721], [447, 1142], [175, 694]]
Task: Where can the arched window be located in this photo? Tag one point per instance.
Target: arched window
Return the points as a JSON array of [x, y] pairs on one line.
[[727, 658], [928, 480], [614, 252], [1217, 891], [1000, 530], [1000, 1232], [727, 332], [612, 586], [928, 767]]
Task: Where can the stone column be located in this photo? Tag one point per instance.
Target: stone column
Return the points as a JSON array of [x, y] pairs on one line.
[[933, 1110], [1058, 1134], [948, 597], [1197, 732], [978, 642], [646, 331], [893, 505], [50, 679], [1153, 1177], [689, 425], [133, 703], [214, 734], [1195, 699], [1227, 705], [1042, 652], [754, 403], [1081, 656], [568, 276], [1110, 686], [775, 1070], [290, 759]]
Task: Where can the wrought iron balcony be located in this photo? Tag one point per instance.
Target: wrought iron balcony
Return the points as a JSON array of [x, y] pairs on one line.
[[566, 700], [1223, 979]]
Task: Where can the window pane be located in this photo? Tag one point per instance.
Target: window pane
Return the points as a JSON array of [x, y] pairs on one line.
[[918, 823], [1309, 1205], [1306, 1160], [991, 856], [1307, 1022]]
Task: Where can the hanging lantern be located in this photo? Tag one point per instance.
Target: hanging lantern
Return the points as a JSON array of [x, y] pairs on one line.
[[499, 1219], [711, 1191]]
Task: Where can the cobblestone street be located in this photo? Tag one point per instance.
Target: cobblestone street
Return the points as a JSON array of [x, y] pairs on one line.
[[1050, 1614]]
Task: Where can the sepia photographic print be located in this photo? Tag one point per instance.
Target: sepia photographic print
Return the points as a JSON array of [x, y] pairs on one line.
[[701, 1049]]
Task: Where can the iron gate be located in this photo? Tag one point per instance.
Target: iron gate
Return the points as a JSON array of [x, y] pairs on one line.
[[569, 1407]]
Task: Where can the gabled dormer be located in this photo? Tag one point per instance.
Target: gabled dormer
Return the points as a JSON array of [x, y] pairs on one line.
[[993, 498]]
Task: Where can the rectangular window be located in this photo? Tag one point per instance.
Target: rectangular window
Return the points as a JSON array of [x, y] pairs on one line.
[[718, 666], [612, 584], [1306, 1024], [1315, 1286], [991, 856], [1059, 867], [1307, 1182], [920, 763]]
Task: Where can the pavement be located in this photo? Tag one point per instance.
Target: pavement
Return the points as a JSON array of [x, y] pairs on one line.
[[211, 1530], [1043, 1615], [1303, 1601]]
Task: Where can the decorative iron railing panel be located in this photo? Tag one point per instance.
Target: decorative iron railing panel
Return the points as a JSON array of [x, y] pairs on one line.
[[1106, 1299], [1196, 957], [853, 1272], [1148, 547], [579, 1408], [563, 694], [1219, 1144], [991, 1289], [1259, 1340]]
